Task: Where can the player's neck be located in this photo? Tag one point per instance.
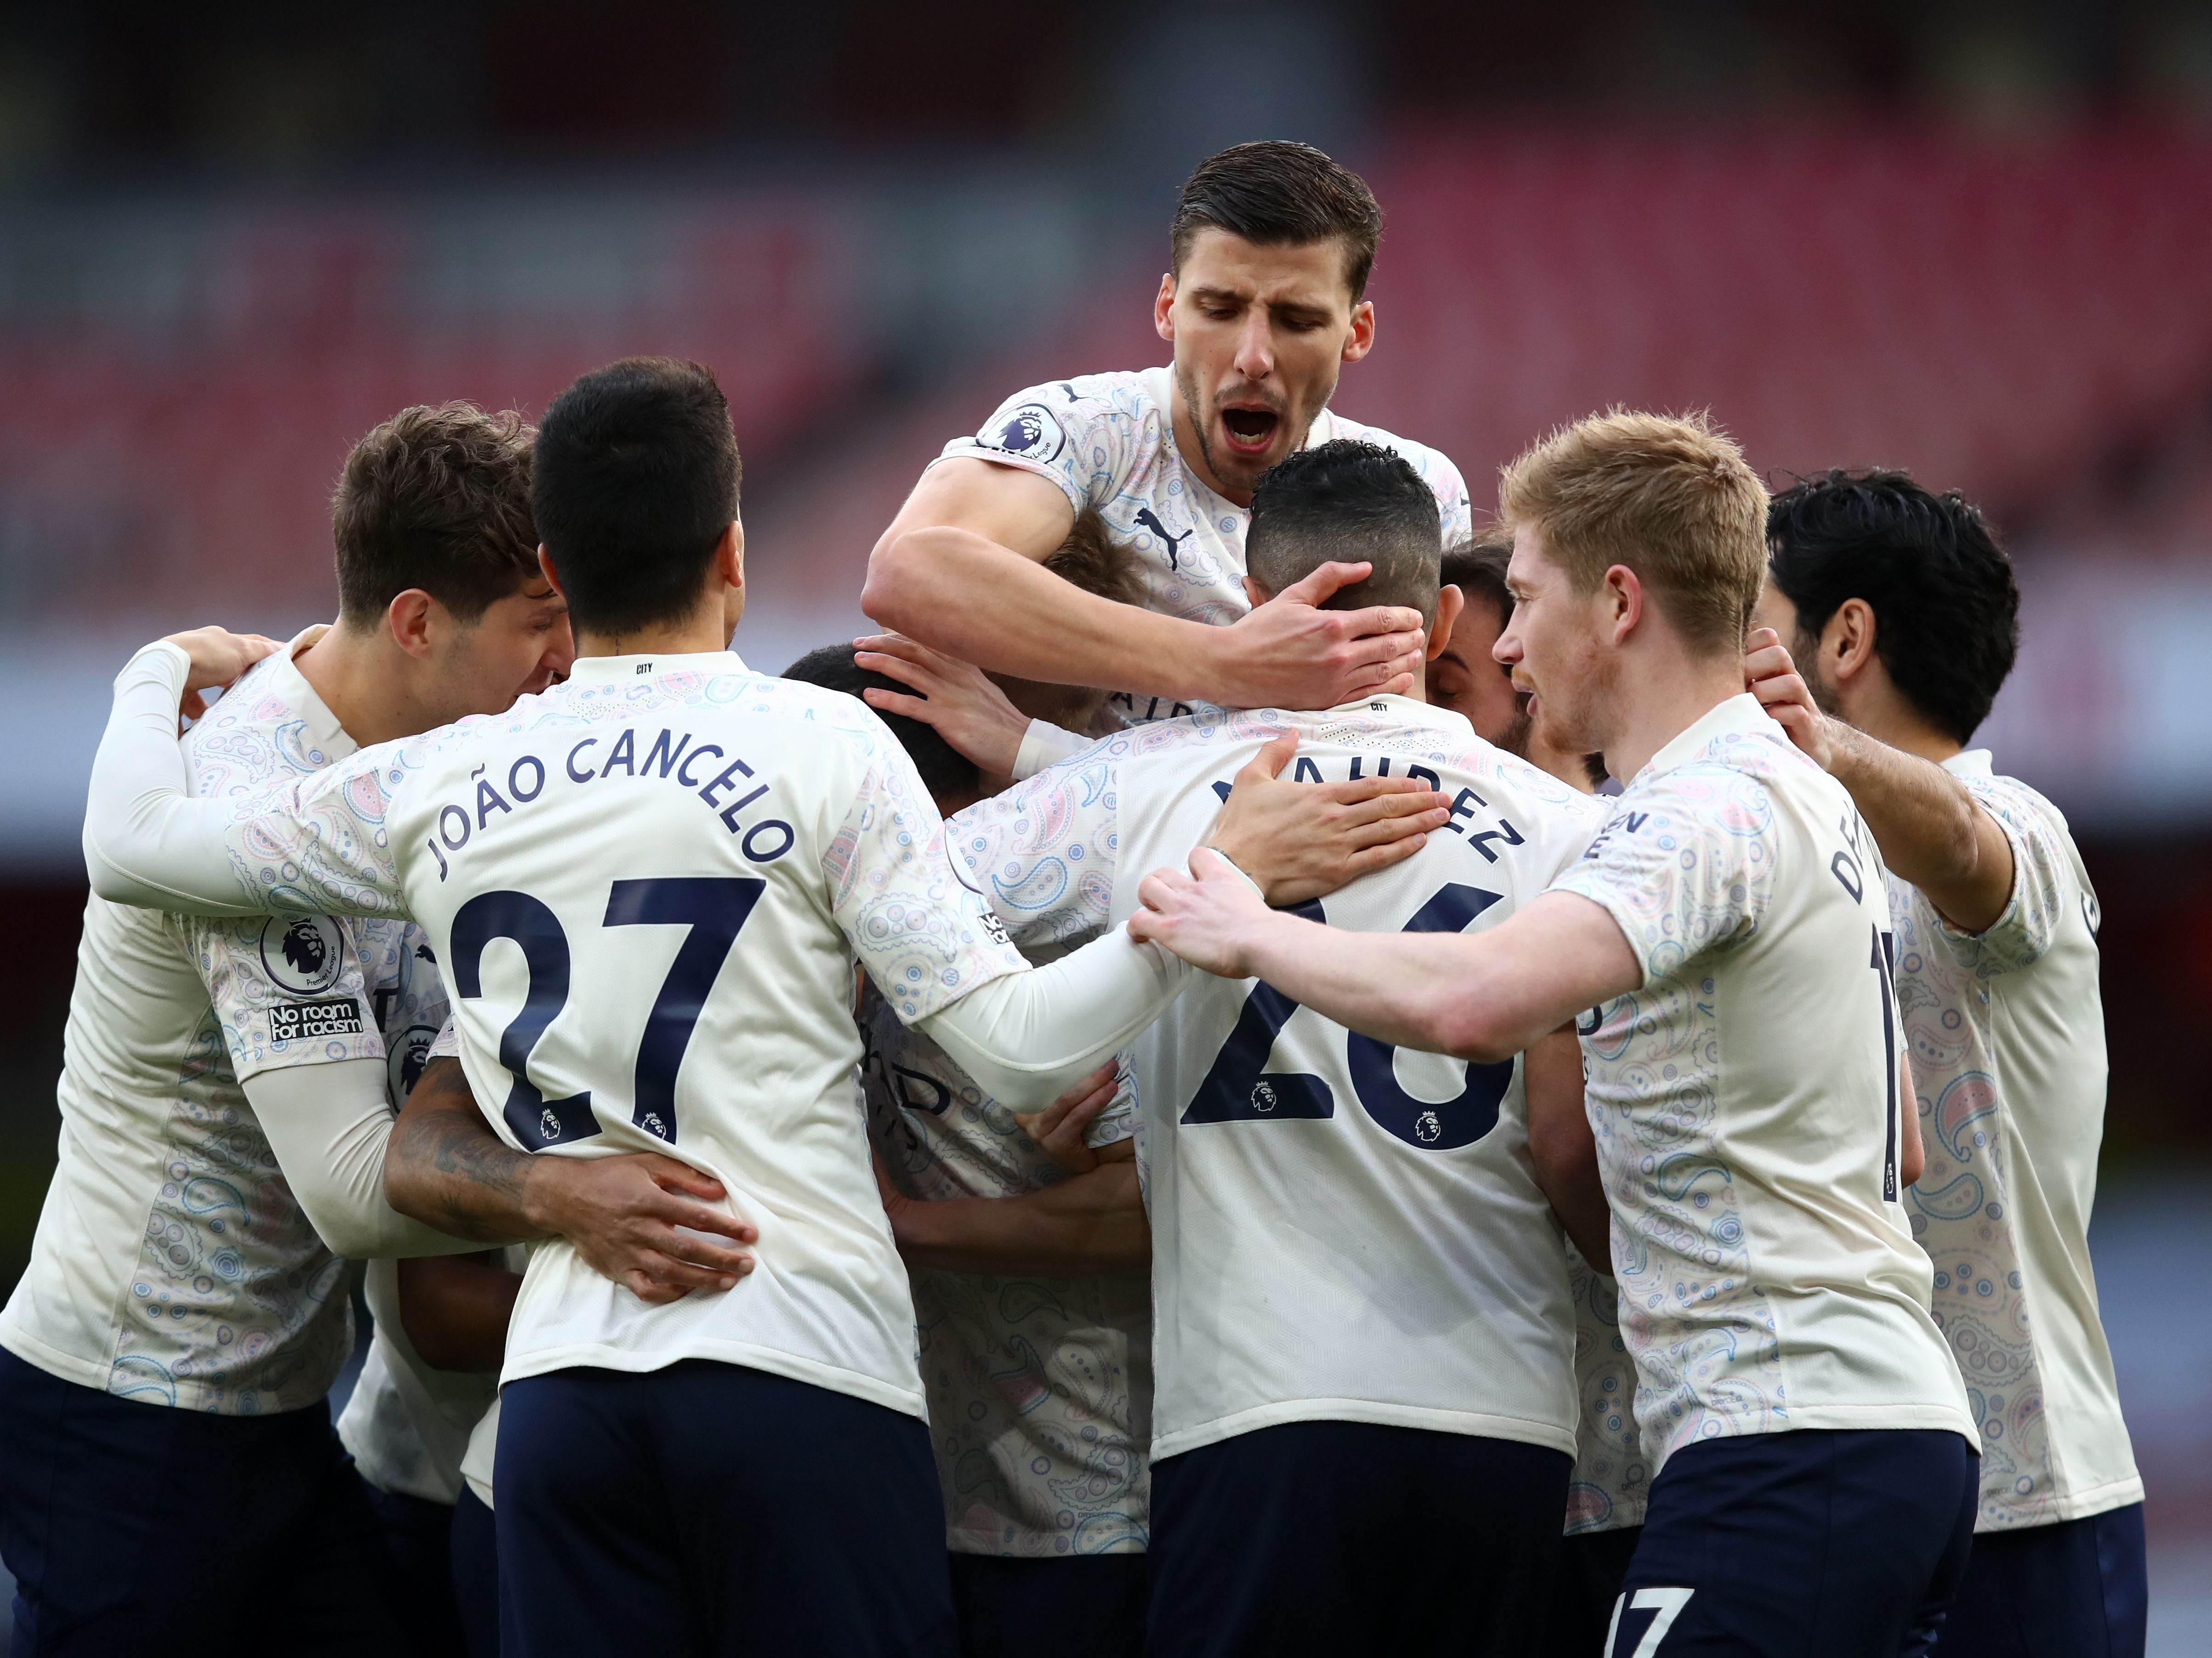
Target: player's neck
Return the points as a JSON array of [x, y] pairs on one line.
[[1878, 710], [367, 682], [695, 637], [1661, 694]]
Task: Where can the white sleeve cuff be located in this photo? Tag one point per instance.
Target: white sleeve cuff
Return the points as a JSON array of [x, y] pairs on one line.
[[1044, 746]]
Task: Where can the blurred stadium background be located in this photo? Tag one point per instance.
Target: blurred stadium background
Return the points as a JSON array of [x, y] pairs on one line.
[[1971, 239]]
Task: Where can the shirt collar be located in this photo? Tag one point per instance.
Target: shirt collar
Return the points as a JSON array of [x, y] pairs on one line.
[[319, 728], [1410, 709], [1970, 762], [1740, 716], [621, 669]]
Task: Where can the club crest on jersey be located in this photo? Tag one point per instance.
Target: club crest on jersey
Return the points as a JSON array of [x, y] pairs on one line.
[[1030, 432], [302, 954]]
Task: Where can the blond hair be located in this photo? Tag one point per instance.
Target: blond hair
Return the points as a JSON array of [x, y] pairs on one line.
[[1669, 497]]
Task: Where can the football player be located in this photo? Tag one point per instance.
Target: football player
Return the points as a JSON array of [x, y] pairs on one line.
[[1898, 607], [1361, 1301], [228, 1088], [1264, 303]]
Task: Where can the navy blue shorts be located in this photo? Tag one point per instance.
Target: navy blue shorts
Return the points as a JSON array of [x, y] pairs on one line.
[[1587, 1583], [1814, 1543], [707, 1508], [1344, 1537], [2080, 1588], [475, 1559], [1075, 1605], [418, 1541], [130, 1528]]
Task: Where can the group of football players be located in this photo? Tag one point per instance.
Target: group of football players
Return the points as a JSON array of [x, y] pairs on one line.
[[1269, 1070]]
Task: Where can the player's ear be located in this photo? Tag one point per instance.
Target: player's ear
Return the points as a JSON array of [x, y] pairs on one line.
[[1449, 603], [1361, 338], [1163, 307], [730, 555], [1847, 641], [411, 622], [1255, 594], [552, 575]]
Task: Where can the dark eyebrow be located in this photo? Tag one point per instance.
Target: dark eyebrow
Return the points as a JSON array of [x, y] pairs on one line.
[[1204, 295]]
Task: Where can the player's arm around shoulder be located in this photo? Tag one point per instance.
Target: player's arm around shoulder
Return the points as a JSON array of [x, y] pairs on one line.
[[1932, 830]]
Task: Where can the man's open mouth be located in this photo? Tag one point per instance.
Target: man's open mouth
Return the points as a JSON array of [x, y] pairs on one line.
[[1250, 430]]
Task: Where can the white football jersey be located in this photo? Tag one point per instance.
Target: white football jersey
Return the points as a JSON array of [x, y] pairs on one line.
[[173, 1264], [1341, 1231], [1611, 1485], [2007, 1033], [1107, 441], [1744, 1101], [406, 1424], [649, 886], [1039, 1388]]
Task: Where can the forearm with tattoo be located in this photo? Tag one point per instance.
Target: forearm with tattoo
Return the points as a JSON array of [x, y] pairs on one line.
[[445, 1168]]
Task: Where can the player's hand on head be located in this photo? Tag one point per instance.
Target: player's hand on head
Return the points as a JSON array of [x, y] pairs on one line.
[[1058, 1129], [1301, 840], [218, 657], [1771, 676], [1205, 916], [1289, 653], [623, 1216], [957, 697]]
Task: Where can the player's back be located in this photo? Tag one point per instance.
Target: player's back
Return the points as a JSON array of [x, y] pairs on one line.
[[641, 885], [1341, 1230], [1746, 1100]]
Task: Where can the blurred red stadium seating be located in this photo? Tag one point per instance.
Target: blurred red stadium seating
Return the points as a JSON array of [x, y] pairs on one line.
[[184, 444]]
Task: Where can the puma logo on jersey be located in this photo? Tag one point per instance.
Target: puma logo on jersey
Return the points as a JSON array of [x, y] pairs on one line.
[[1151, 520]]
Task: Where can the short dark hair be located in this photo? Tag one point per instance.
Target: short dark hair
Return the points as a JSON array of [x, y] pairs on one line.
[[1279, 194], [439, 499], [945, 772], [637, 476], [1946, 609], [1095, 559], [1477, 568], [1351, 500]]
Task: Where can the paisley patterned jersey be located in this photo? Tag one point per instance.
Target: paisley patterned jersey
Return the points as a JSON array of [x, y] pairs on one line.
[[1039, 1388], [1745, 1099], [1339, 1231], [173, 1264], [665, 857], [1611, 1485], [2007, 1033], [1107, 441]]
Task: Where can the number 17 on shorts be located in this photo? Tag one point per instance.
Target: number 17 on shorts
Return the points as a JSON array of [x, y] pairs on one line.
[[1665, 1606]]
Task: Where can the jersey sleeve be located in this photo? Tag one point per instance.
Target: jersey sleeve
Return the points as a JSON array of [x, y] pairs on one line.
[[2040, 871], [313, 844], [1685, 865], [1080, 442], [1044, 851], [924, 936], [289, 990]]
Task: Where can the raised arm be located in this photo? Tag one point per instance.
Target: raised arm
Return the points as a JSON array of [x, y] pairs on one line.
[[1931, 831], [146, 842], [445, 1168], [1480, 996], [961, 569]]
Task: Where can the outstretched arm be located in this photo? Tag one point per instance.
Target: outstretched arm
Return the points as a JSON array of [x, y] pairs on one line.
[[1482, 996], [447, 1168], [1931, 831], [1091, 1223], [961, 569]]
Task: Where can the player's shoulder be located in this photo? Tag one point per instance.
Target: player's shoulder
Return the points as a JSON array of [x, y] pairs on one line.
[[1433, 464], [2015, 804], [1072, 399], [256, 731]]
